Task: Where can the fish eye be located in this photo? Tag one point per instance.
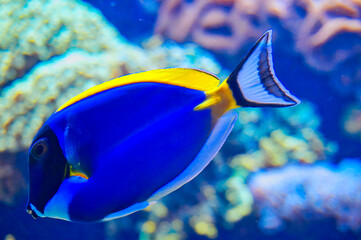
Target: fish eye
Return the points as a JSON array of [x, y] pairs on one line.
[[40, 148]]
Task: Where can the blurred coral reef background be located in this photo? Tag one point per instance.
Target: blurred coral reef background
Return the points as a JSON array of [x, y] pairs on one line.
[[280, 175], [307, 196], [326, 33]]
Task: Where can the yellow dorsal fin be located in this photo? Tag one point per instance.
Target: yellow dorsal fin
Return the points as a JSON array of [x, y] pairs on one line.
[[183, 77]]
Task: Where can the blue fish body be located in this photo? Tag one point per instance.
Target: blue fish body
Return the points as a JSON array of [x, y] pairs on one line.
[[121, 146], [132, 157]]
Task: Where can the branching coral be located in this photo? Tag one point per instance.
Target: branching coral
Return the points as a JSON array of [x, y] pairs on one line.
[[194, 21], [326, 32], [304, 193]]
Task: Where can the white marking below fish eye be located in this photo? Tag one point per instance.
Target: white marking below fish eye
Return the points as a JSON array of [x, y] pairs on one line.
[[36, 210], [58, 206]]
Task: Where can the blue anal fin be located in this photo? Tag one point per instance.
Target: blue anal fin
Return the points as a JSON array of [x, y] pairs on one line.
[[213, 144], [122, 213]]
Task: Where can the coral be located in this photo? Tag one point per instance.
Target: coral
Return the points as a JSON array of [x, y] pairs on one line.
[[9, 237], [313, 24], [352, 120], [196, 19], [327, 33], [31, 100], [304, 193], [84, 60], [286, 135], [33, 31]]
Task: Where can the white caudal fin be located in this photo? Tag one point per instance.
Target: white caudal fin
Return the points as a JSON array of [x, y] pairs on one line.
[[254, 82]]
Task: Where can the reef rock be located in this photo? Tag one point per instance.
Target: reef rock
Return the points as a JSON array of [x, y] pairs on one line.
[[304, 193]]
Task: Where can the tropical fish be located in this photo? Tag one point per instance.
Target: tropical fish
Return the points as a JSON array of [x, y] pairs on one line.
[[124, 144]]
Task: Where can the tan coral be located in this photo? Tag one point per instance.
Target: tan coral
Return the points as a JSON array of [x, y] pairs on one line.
[[194, 19], [324, 22], [33, 31], [45, 89], [312, 24]]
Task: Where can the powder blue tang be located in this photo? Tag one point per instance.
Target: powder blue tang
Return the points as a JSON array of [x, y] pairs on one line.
[[122, 145]]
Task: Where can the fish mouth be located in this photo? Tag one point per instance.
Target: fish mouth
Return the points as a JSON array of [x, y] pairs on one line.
[[31, 212]]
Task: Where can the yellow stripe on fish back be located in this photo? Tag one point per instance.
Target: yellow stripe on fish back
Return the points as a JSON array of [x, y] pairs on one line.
[[183, 77]]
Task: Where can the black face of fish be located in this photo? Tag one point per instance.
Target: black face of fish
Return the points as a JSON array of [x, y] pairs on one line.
[[47, 170]]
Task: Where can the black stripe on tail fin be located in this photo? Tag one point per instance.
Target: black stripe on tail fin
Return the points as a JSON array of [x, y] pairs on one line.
[[254, 82]]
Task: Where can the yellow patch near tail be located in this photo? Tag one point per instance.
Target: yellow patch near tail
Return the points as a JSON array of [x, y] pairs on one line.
[[183, 77], [208, 103], [219, 100]]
